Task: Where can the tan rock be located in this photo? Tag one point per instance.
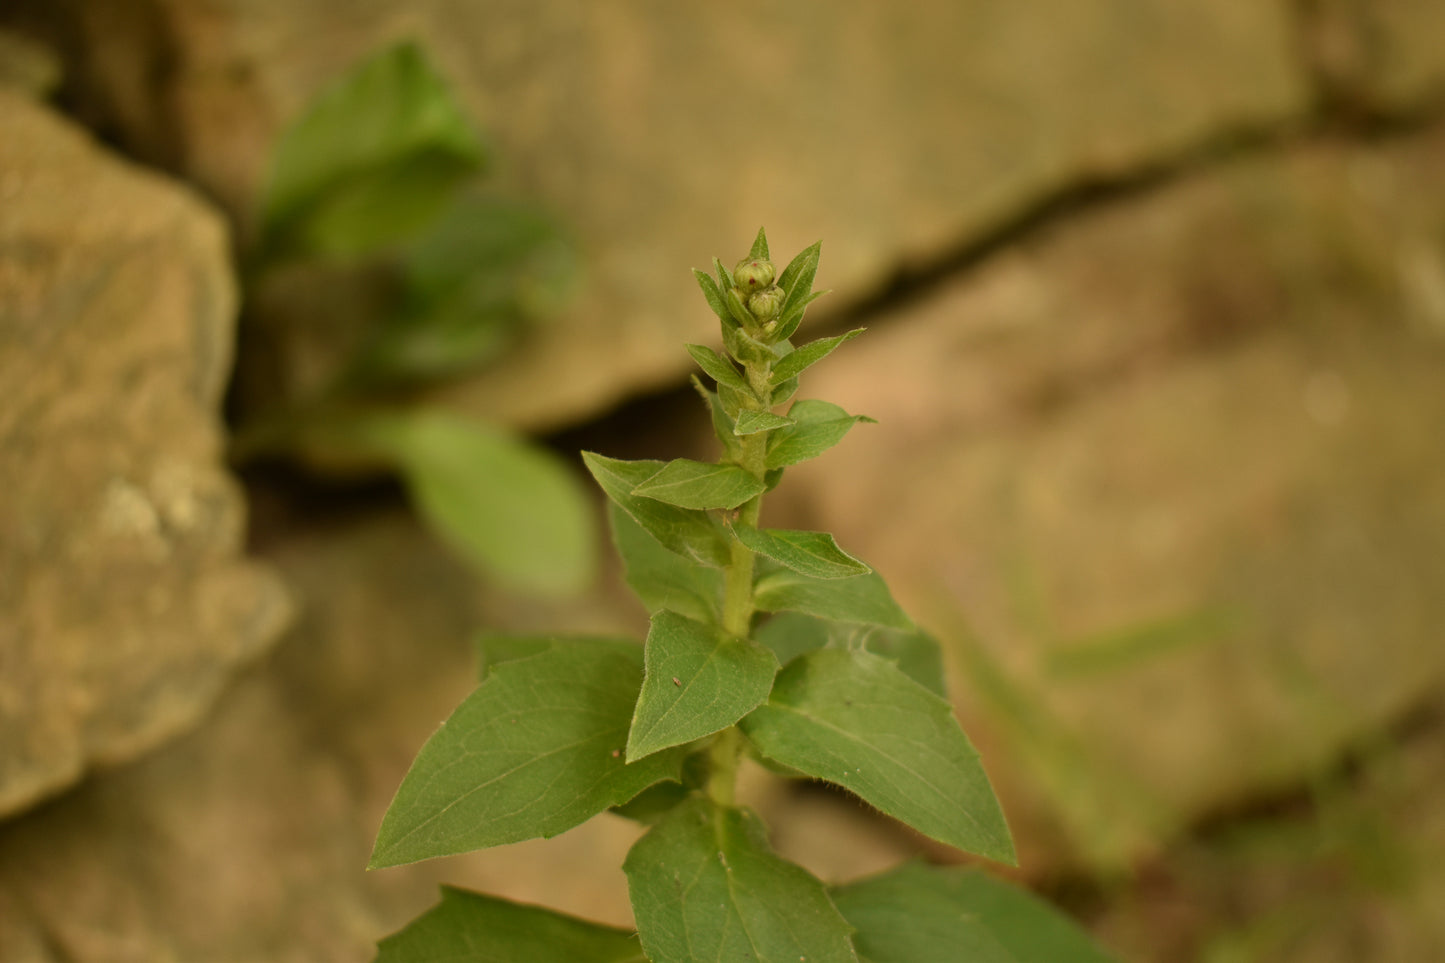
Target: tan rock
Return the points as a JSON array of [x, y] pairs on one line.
[[667, 136], [125, 602], [1169, 481], [248, 839], [1409, 39]]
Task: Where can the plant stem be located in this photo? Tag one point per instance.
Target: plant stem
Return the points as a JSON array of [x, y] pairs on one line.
[[726, 749]]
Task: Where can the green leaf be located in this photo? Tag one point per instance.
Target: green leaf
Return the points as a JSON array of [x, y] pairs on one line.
[[712, 293], [699, 485], [473, 281], [492, 649], [737, 309], [732, 401], [790, 634], [699, 680], [720, 368], [691, 534], [660, 578], [809, 354], [472, 928], [760, 246], [722, 422], [819, 426], [860, 598], [535, 750], [705, 887], [783, 392], [856, 720], [373, 159], [751, 422], [653, 803], [798, 275], [792, 316], [745, 348], [925, 914], [811, 553], [724, 276], [507, 505]]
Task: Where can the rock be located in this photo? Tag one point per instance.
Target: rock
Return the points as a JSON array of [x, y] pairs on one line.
[[1376, 58], [27, 66], [126, 600], [1354, 872], [1168, 479], [248, 839], [665, 137], [1409, 43]]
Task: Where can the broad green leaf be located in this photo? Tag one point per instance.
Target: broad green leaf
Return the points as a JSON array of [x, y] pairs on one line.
[[469, 927], [654, 802], [722, 422], [660, 578], [720, 368], [699, 680], [494, 648], [511, 507], [691, 534], [856, 720], [790, 634], [811, 553], [712, 293], [792, 315], [820, 426], [760, 246], [927, 914], [808, 355], [372, 160], [706, 888], [859, 598], [751, 422], [699, 485], [535, 750]]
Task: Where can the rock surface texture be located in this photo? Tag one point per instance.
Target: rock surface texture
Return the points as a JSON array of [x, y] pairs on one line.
[[664, 135], [125, 603], [1161, 386], [1177, 461]]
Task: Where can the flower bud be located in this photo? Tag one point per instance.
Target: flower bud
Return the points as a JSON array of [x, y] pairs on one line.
[[766, 304], [752, 274]]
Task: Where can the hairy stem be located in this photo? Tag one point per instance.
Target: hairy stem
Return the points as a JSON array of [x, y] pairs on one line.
[[723, 755]]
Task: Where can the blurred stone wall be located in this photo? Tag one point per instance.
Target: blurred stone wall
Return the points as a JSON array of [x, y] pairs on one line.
[[1157, 299]]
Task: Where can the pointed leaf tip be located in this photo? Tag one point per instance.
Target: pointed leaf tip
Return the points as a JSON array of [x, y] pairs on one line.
[[760, 245]]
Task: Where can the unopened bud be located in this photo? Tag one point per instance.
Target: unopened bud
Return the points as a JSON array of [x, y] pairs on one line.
[[752, 274], [766, 304]]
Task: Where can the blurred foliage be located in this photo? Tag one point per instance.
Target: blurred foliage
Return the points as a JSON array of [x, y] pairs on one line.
[[381, 172]]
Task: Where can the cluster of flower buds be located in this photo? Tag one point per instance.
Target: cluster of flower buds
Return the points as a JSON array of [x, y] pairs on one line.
[[753, 277]]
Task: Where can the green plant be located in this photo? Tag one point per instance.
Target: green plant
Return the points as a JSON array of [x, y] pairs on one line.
[[376, 185], [768, 643]]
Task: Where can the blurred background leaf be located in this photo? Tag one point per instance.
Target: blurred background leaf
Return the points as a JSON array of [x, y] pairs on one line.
[[510, 507], [373, 161]]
